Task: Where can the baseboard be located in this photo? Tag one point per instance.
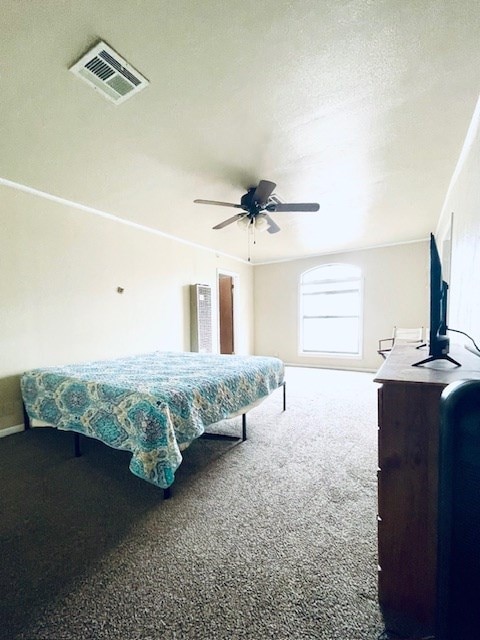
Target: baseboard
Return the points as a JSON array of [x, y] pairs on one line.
[[320, 366], [9, 430]]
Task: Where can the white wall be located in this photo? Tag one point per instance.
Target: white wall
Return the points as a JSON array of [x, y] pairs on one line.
[[60, 268], [463, 200], [395, 293]]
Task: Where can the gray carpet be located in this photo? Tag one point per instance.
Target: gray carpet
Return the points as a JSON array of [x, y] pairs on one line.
[[272, 538]]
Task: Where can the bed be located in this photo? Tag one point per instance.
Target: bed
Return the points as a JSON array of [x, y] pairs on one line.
[[153, 405]]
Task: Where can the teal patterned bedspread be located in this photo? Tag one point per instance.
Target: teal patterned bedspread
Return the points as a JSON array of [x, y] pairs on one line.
[[153, 405]]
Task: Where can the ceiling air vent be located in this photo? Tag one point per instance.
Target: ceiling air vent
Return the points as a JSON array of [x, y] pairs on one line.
[[109, 74]]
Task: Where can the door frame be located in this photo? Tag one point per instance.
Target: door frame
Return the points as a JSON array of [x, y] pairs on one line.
[[235, 280]]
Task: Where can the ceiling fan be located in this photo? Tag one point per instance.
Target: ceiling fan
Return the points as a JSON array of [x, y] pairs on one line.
[[256, 205]]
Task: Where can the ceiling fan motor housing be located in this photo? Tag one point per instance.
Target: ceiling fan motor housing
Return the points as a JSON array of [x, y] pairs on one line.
[[247, 199], [251, 206]]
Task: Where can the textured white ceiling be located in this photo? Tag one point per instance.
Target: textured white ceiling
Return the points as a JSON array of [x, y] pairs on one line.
[[360, 105]]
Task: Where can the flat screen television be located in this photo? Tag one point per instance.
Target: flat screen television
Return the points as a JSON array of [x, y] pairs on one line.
[[439, 343]]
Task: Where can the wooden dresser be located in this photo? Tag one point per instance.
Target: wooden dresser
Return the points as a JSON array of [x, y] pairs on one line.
[[408, 420]]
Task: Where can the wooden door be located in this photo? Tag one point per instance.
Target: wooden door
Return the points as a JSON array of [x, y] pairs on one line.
[[225, 298]]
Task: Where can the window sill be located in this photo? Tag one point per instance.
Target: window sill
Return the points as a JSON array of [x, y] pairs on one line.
[[325, 355]]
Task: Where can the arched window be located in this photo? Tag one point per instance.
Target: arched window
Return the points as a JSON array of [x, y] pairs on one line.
[[331, 310]]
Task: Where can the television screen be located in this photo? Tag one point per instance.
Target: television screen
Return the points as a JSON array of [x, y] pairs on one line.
[[439, 343]]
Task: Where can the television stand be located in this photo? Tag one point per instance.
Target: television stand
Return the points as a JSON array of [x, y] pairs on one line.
[[432, 358]]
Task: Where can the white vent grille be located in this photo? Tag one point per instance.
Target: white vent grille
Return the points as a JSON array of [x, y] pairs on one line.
[[109, 74], [201, 318]]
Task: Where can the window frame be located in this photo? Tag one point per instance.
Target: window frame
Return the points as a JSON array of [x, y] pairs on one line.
[[300, 315]]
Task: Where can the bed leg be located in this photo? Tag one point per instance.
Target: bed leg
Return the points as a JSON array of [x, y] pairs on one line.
[[167, 493], [76, 445], [26, 418], [244, 427], [284, 396]]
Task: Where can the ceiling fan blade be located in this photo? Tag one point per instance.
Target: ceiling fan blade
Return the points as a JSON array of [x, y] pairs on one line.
[[220, 204], [220, 225], [263, 191], [293, 206], [272, 226]]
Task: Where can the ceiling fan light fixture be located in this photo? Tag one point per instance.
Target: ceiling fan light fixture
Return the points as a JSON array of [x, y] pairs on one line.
[[261, 222], [243, 222]]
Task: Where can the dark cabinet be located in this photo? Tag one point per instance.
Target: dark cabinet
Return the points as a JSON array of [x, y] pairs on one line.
[[408, 453]]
